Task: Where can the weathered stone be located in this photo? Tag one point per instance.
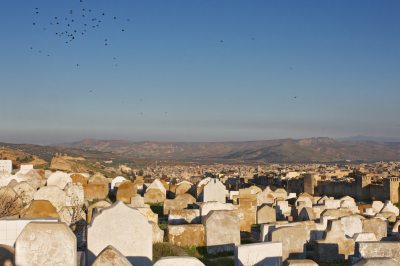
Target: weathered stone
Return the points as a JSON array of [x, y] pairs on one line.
[[369, 249], [396, 226], [99, 179], [176, 217], [126, 191], [358, 237], [118, 179], [41, 209], [166, 186], [157, 185], [158, 234], [186, 235], [266, 253], [266, 215], [222, 231], [71, 215], [214, 190], [377, 206], [390, 208], [187, 197], [46, 243], [249, 216], [182, 188], [376, 226], [94, 191], [178, 261], [266, 228], [110, 256], [59, 179], [377, 262], [6, 255], [13, 183], [124, 228], [54, 194], [307, 200], [10, 198], [245, 194], [99, 204], [265, 197], [282, 210], [334, 244], [390, 216], [293, 241], [25, 191], [75, 194], [154, 196], [78, 178], [176, 204], [351, 225], [306, 214], [32, 178], [138, 201], [149, 214], [336, 213], [299, 263], [206, 207]]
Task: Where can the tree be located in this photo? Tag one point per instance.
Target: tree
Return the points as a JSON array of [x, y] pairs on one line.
[[140, 173], [9, 205]]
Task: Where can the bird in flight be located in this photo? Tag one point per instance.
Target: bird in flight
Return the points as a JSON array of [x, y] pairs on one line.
[[295, 97], [78, 65], [221, 40], [252, 39]]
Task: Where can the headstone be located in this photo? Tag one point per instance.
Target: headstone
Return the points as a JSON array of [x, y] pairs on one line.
[[59, 179], [32, 178], [293, 241], [245, 194], [282, 210], [78, 178], [266, 253], [266, 228], [41, 209], [358, 237], [265, 197], [46, 243], [54, 194], [351, 225], [300, 263], [306, 214], [266, 215], [25, 191], [213, 191], [176, 217], [222, 231], [110, 256], [396, 227], [391, 208], [99, 204], [175, 204], [75, 194], [377, 206], [138, 201], [124, 228], [178, 261], [206, 207], [249, 216], [6, 255], [334, 245], [72, 215], [157, 185], [125, 191], [371, 249], [307, 200], [95, 191], [182, 188], [337, 213], [149, 214], [376, 226], [187, 197], [186, 235], [158, 234], [154, 195], [118, 179]]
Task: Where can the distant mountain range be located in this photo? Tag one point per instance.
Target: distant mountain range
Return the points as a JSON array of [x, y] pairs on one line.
[[279, 150], [361, 137]]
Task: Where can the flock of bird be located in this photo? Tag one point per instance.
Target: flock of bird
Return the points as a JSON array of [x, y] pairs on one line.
[[74, 26], [77, 25]]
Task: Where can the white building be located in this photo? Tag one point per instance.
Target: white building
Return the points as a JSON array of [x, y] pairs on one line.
[[25, 168], [6, 166]]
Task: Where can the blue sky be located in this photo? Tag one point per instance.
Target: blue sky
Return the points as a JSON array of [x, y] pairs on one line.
[[176, 81]]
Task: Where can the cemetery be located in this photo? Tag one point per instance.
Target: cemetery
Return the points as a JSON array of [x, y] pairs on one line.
[[76, 219]]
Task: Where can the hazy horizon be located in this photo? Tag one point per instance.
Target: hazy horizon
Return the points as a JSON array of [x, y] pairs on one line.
[[196, 71]]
